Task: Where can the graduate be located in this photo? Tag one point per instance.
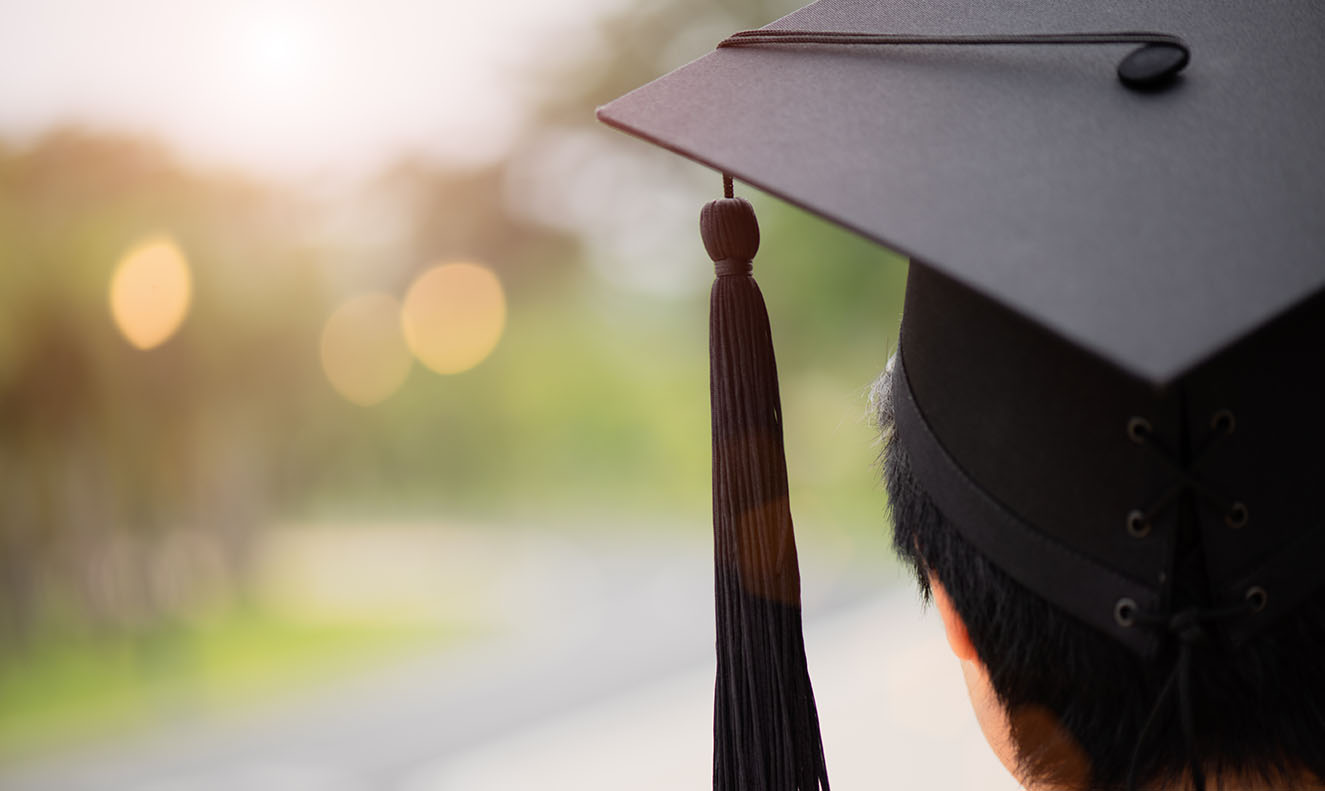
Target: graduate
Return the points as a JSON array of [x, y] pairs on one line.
[[1105, 423]]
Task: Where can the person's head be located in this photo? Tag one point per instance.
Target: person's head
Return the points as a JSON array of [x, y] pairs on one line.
[[1064, 703]]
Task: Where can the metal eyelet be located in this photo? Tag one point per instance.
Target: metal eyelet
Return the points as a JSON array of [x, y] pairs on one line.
[[1258, 598], [1138, 429], [1124, 612], [1223, 420], [1137, 524], [1237, 516]]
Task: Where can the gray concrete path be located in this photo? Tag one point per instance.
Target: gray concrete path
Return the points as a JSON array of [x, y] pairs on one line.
[[601, 680], [891, 702]]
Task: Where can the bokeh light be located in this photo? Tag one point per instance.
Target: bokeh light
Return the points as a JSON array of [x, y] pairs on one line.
[[150, 291], [454, 315], [363, 353]]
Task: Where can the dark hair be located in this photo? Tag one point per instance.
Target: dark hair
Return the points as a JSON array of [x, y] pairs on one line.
[[1260, 709]]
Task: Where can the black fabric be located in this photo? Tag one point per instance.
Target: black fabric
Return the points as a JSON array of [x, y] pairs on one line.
[[1050, 568], [1273, 462], [1034, 451], [1149, 229]]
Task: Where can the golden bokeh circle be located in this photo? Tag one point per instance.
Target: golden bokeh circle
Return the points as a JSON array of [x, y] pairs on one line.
[[363, 352], [150, 291], [454, 315]]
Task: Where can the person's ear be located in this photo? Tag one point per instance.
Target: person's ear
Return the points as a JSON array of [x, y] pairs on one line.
[[958, 638]]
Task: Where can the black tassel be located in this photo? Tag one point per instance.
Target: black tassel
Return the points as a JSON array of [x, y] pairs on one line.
[[765, 726]]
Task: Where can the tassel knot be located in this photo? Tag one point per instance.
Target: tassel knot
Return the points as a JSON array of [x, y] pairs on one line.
[[733, 267], [731, 233]]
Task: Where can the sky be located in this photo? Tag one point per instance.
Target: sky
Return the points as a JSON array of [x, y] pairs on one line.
[[287, 87]]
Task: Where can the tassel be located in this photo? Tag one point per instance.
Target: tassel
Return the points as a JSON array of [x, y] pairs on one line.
[[765, 726]]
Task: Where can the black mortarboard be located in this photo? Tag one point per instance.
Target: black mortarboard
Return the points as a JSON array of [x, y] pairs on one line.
[[1115, 309]]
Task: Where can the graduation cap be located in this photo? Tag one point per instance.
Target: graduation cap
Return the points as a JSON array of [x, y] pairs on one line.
[[1114, 320]]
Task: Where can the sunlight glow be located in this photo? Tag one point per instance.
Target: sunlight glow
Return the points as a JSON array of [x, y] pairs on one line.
[[454, 315], [363, 353], [278, 52], [296, 89], [150, 291]]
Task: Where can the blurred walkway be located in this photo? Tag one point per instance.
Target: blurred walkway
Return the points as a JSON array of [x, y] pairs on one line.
[[602, 680], [891, 702]]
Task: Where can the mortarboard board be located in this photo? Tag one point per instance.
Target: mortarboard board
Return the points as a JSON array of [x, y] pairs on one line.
[[1114, 313]]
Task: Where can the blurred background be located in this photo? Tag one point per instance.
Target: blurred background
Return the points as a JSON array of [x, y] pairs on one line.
[[353, 408]]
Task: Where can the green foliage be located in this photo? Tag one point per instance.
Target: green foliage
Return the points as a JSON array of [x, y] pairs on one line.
[[79, 685]]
